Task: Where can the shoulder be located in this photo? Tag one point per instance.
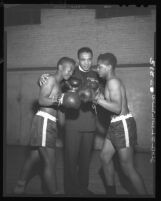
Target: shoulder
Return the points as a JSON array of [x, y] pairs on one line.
[[76, 72], [51, 78], [76, 69], [114, 83], [49, 81], [93, 73]]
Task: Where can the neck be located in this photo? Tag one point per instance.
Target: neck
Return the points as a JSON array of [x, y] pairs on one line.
[[110, 75]]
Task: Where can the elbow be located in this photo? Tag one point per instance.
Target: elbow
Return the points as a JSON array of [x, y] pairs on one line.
[[118, 112], [41, 102]]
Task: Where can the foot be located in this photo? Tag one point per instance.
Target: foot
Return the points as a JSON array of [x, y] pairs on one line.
[[86, 193], [110, 190], [20, 188]]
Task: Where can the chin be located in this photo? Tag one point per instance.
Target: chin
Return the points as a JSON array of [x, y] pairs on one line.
[[66, 78]]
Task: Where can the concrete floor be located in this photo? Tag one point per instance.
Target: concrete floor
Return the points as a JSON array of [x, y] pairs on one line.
[[13, 161]]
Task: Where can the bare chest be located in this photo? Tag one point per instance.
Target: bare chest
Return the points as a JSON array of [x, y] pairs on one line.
[[55, 90]]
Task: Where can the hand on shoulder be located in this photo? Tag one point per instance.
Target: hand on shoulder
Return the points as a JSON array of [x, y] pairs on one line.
[[44, 78]]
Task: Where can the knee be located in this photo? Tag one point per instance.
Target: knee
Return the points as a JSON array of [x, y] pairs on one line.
[[105, 157], [49, 170], [49, 164]]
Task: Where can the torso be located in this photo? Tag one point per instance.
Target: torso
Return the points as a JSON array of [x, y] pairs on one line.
[[124, 106], [55, 90], [78, 119]]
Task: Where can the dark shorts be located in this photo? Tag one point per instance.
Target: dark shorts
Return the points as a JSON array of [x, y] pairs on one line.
[[43, 130], [122, 133]]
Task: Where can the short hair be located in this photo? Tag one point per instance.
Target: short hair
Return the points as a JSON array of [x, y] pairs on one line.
[[84, 49], [66, 60], [111, 58]]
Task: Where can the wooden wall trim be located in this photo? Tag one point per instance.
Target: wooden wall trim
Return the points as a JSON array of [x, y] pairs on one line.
[[54, 68]]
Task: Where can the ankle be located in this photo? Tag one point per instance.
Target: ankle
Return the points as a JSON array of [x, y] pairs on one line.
[[110, 190]]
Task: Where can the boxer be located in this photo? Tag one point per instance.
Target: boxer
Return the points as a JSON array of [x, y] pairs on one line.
[[44, 127], [121, 135]]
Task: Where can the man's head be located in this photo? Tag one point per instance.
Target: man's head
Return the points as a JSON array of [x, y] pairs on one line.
[[66, 67], [85, 56], [106, 63]]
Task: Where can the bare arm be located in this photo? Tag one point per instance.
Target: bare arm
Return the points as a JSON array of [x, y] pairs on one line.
[[115, 98]]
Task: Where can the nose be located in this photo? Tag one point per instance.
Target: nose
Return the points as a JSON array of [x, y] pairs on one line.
[[86, 63]]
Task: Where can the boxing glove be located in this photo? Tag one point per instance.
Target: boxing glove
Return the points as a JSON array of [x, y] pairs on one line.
[[73, 84], [69, 100], [86, 94], [92, 83]]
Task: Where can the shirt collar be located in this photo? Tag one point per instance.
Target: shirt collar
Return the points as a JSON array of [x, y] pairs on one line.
[[81, 69]]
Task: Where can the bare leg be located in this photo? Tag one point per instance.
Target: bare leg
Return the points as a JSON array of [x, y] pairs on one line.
[[49, 170], [25, 174], [108, 167], [127, 163]]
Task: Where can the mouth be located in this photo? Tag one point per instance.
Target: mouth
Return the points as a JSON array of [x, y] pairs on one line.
[[66, 77], [86, 66]]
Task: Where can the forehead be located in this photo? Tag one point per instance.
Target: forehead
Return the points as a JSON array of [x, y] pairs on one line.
[[68, 65], [103, 63], [85, 55]]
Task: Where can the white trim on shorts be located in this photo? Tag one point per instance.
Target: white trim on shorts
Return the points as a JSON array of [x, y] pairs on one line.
[[123, 119], [46, 117]]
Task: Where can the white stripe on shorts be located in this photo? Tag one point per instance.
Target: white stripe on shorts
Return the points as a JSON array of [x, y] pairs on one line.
[[126, 132], [46, 117], [44, 132]]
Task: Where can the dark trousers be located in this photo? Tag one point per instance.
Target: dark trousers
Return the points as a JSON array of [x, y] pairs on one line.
[[77, 154]]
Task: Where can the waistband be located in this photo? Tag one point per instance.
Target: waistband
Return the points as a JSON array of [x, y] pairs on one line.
[[121, 117], [46, 115]]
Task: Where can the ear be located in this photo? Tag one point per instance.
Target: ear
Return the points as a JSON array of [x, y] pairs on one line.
[[77, 63], [60, 67]]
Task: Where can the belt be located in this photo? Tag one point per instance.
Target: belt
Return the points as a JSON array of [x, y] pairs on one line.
[[46, 115], [121, 117]]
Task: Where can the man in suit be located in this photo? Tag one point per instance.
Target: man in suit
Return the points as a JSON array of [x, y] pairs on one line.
[[80, 126]]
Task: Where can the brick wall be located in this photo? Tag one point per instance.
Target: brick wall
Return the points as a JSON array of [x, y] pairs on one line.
[[63, 31]]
